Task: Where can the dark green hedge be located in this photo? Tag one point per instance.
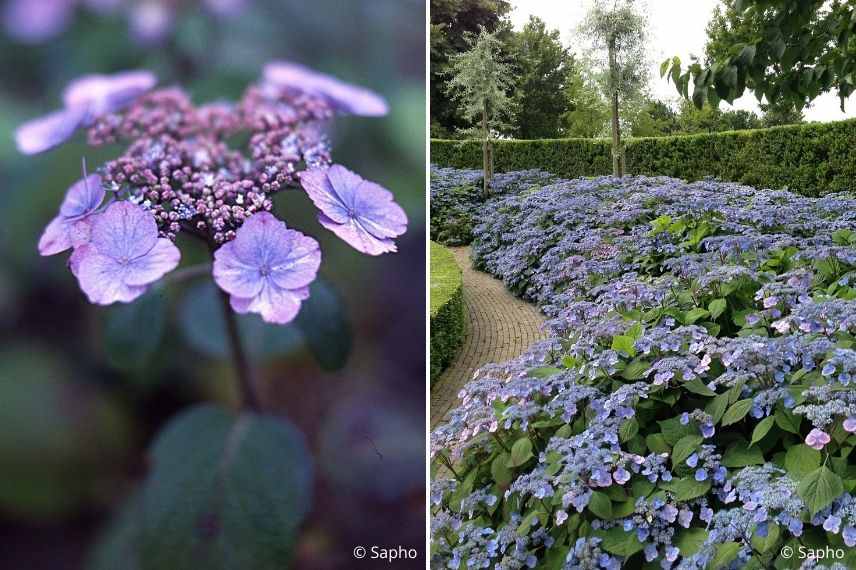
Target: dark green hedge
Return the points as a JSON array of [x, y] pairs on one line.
[[447, 309], [811, 159]]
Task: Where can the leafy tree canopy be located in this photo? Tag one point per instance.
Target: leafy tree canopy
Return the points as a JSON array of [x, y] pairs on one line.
[[785, 52]]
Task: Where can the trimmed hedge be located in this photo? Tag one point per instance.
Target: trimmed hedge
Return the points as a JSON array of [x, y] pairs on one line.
[[447, 309], [812, 159]]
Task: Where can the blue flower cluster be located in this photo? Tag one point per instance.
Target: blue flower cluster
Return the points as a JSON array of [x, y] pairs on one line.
[[694, 406]]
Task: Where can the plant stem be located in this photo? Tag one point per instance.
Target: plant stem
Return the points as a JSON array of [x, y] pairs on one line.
[[239, 357]]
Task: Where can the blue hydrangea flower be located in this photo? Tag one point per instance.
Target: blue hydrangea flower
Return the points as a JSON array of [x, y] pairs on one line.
[[85, 99], [341, 96], [360, 212], [70, 228], [123, 256], [267, 268]]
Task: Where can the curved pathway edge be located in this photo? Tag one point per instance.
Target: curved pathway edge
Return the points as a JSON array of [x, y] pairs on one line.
[[499, 327]]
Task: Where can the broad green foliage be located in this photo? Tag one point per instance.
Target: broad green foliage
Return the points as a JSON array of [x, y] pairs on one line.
[[813, 159], [225, 491], [447, 309], [786, 52]]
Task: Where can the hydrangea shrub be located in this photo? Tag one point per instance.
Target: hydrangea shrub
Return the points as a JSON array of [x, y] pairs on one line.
[[693, 407]]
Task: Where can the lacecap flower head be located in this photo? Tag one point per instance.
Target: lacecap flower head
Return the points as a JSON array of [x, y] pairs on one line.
[[180, 173]]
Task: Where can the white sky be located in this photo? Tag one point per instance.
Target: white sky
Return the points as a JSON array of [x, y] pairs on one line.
[[677, 28]]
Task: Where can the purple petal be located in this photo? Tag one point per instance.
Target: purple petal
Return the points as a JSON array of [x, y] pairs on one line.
[[34, 21], [275, 305], [162, 259], [124, 231], [150, 22], [55, 238], [342, 96], [83, 197], [103, 94], [357, 237], [360, 212], [49, 131], [234, 276], [102, 279]]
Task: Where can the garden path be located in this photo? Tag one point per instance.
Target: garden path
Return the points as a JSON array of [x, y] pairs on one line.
[[499, 327]]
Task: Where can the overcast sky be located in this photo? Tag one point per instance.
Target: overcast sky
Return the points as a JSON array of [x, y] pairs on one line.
[[677, 28]]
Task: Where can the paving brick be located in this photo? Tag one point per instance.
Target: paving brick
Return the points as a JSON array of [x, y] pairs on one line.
[[499, 327]]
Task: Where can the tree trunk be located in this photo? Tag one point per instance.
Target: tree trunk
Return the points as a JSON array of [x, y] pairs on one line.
[[487, 160], [617, 158]]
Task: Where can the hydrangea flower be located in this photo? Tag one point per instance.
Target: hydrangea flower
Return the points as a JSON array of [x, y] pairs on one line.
[[85, 99], [70, 228], [340, 96], [183, 172], [267, 268], [817, 439], [123, 256], [360, 212]]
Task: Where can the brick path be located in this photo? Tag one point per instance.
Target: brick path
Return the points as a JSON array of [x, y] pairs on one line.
[[499, 327]]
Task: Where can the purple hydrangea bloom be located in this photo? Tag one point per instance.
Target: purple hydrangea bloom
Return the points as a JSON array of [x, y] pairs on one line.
[[30, 21], [267, 268], [124, 255], [85, 99], [360, 212], [70, 228], [817, 439], [850, 425], [340, 96]]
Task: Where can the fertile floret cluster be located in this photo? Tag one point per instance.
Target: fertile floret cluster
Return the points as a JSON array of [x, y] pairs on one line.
[[181, 172], [694, 407]]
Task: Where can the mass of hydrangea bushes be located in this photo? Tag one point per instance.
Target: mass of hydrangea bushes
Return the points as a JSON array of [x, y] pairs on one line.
[[457, 198], [695, 404]]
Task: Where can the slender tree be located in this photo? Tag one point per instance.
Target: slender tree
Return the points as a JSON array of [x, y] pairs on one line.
[[479, 82], [615, 31]]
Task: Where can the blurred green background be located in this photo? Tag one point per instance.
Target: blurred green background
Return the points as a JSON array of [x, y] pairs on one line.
[[83, 389]]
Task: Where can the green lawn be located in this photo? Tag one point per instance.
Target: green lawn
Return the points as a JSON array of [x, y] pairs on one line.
[[445, 276]]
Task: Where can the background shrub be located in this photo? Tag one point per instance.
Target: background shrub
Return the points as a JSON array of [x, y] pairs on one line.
[[812, 159], [447, 309]]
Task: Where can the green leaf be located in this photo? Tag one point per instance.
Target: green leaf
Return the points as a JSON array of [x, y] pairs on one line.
[[800, 460], [764, 544], [689, 540], [684, 448], [696, 386], [737, 412], [717, 307], [625, 344], [694, 315], [204, 328], [673, 430], [687, 488], [819, 488], [635, 369], [725, 555], [762, 429], [600, 505], [133, 331], [499, 470], [740, 455], [617, 541], [664, 67], [543, 372], [628, 430], [747, 54], [788, 421], [527, 523], [657, 443], [521, 452], [226, 491], [325, 326], [716, 408]]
